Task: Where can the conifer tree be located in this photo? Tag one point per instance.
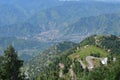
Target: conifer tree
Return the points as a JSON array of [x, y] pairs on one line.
[[10, 69]]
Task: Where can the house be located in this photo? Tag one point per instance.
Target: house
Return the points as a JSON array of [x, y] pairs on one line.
[[104, 60], [61, 65]]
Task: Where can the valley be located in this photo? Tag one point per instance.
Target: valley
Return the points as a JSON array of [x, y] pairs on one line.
[[25, 47], [65, 20], [59, 40]]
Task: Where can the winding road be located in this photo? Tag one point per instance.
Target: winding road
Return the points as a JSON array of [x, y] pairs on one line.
[[89, 60]]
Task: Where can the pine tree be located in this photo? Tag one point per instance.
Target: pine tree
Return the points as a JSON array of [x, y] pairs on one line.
[[10, 69]]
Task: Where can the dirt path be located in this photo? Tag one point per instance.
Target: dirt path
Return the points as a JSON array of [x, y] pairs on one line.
[[89, 60], [82, 64]]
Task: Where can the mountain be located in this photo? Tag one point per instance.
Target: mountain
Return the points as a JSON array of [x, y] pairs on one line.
[[89, 52], [102, 24], [56, 19], [15, 11], [63, 21], [39, 62], [47, 22]]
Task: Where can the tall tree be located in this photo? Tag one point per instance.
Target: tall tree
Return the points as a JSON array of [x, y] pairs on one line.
[[11, 65]]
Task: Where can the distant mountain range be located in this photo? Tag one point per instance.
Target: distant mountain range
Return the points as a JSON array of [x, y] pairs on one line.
[[15, 11], [103, 24], [56, 21], [34, 25]]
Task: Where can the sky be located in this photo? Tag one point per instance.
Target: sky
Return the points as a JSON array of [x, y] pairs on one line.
[[108, 0], [92, 0]]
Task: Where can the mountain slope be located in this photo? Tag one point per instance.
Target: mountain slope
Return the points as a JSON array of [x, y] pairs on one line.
[[103, 24], [15, 11], [59, 20], [69, 62], [89, 50], [38, 63], [110, 43]]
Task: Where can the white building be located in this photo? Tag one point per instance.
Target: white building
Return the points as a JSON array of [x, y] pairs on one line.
[[104, 60]]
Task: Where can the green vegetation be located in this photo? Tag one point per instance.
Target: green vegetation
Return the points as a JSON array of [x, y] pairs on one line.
[[109, 43], [93, 48], [32, 28], [61, 61], [88, 50], [109, 72], [38, 63], [10, 65]]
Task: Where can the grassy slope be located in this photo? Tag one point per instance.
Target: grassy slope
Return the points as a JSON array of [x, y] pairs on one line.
[[86, 51]]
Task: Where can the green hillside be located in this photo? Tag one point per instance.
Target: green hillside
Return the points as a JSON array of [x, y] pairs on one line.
[[91, 46], [38, 63], [108, 42], [89, 50]]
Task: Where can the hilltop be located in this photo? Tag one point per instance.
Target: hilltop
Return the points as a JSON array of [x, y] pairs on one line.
[[95, 48]]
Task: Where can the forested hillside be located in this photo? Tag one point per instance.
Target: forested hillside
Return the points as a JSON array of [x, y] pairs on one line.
[[38, 63], [68, 65]]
